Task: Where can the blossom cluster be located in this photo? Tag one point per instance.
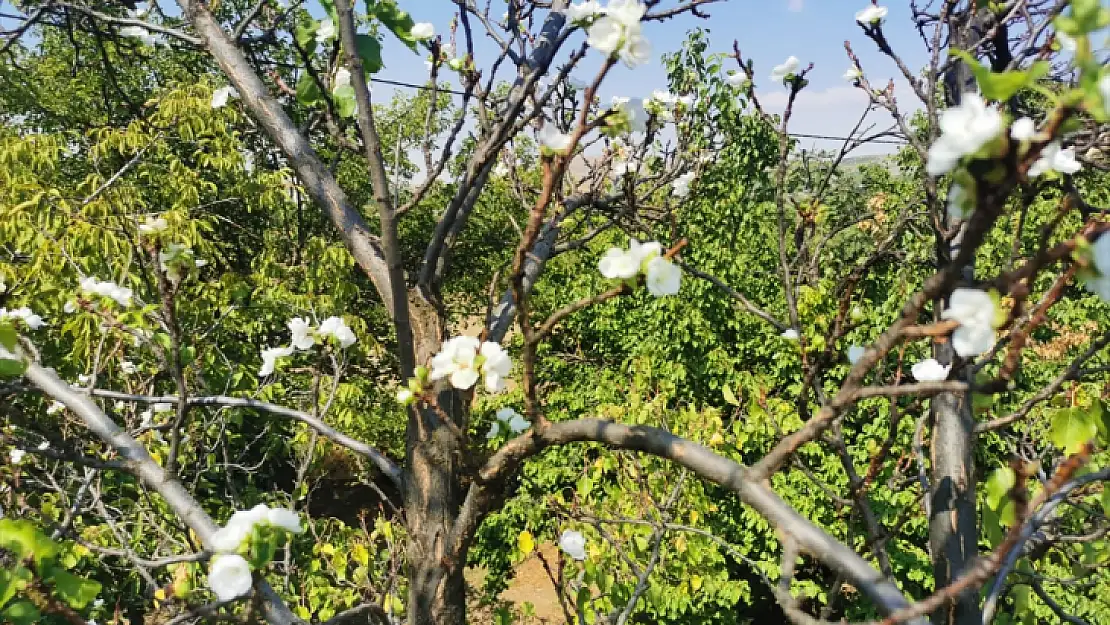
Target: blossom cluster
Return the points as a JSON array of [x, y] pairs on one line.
[[614, 29], [175, 259], [965, 129], [974, 310], [111, 290], [154, 225], [222, 95], [574, 544], [229, 575], [661, 275], [304, 337], [511, 420], [463, 360], [25, 315]]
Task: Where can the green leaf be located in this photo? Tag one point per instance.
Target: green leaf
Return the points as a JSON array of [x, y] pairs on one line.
[[9, 338], [26, 541], [12, 368], [344, 96], [76, 591], [305, 34], [1003, 85], [370, 50], [392, 17], [729, 396], [21, 613], [307, 91], [1071, 428], [998, 486]]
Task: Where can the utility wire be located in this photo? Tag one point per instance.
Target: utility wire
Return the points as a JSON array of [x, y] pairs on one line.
[[801, 135]]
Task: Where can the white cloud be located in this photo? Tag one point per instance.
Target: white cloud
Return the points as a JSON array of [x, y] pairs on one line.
[[795, 6]]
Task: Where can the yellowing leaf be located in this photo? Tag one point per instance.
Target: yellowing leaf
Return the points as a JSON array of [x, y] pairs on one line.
[[525, 542]]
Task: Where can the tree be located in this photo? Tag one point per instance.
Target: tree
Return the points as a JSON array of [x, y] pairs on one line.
[[822, 265]]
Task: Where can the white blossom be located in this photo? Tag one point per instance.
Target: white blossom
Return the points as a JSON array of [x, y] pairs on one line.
[[618, 264], [853, 74], [43, 446], [620, 169], [644, 252], [1023, 129], [286, 519], [636, 50], [229, 577], [337, 328], [463, 360], [3, 286], [138, 32], [127, 367], [965, 129], [871, 15], [422, 31], [222, 95], [1100, 257], [788, 67], [790, 334], [973, 309], [574, 544], [155, 225], [270, 356], [405, 396], [496, 367], [736, 79], [929, 370], [111, 290], [1053, 158], [16, 456], [663, 277], [24, 314], [855, 352], [55, 407], [325, 32], [631, 110], [553, 140], [342, 78], [681, 185], [69, 307], [303, 336], [617, 30], [98, 603], [455, 361], [513, 420], [582, 11]]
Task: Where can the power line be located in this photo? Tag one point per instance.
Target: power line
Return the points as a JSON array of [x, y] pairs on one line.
[[800, 135]]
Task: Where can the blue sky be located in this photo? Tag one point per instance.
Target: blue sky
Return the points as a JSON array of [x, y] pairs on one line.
[[812, 30]]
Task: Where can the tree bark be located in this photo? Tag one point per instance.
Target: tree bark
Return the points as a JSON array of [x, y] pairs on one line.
[[953, 521], [953, 525], [434, 492]]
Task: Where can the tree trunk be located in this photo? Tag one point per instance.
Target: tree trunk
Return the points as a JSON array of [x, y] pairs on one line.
[[433, 491], [953, 527], [953, 520], [437, 592]]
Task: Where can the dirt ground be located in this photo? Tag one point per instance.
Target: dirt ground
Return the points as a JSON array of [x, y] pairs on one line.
[[529, 584]]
